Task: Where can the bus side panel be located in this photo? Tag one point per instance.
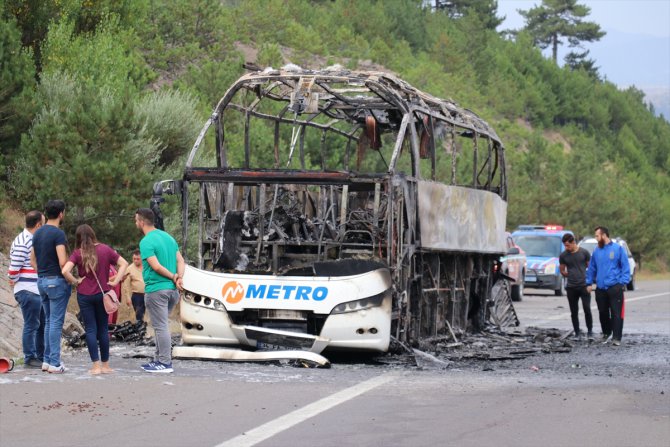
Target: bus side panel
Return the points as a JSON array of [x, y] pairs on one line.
[[455, 218]]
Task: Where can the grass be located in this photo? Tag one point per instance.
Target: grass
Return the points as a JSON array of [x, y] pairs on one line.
[[11, 223], [645, 275]]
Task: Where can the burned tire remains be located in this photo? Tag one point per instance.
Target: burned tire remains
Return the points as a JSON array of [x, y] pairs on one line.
[[323, 176]]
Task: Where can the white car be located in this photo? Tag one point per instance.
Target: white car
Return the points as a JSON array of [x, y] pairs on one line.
[[590, 244]]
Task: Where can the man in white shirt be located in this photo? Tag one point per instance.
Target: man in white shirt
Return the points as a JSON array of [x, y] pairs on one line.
[[24, 279]]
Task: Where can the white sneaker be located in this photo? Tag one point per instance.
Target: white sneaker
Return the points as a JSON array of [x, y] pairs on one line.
[[57, 369], [45, 366]]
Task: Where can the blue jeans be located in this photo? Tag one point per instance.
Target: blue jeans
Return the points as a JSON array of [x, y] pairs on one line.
[[55, 292], [33, 325], [138, 305], [95, 322]]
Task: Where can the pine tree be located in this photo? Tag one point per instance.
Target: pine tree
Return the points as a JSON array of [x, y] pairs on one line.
[[554, 20], [486, 10], [580, 61], [85, 147], [17, 78]]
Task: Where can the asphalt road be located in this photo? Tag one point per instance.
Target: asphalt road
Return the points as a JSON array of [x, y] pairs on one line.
[[595, 395], [647, 309]]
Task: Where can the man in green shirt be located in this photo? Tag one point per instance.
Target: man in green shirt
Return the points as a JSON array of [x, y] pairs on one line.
[[162, 270]]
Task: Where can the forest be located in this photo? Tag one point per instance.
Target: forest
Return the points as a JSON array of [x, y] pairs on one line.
[[101, 98]]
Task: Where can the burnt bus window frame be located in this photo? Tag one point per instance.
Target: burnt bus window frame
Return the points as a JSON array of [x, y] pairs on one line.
[[354, 165], [421, 120]]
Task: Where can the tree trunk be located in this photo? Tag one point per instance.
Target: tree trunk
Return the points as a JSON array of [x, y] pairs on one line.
[[554, 48]]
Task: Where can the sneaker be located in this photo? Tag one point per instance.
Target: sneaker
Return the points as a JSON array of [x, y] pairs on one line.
[[589, 336], [159, 367], [57, 369], [45, 366], [616, 342], [577, 337], [606, 338], [33, 363], [148, 365]]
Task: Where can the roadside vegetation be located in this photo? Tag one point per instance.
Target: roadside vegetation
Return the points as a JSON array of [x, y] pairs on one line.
[[99, 99]]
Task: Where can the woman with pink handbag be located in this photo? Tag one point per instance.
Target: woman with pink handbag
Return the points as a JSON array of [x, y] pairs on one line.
[[93, 260]]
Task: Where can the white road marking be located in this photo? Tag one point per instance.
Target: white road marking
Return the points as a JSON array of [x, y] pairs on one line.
[[595, 307], [271, 428]]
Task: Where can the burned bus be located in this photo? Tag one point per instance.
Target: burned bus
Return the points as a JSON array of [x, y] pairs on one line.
[[338, 209]]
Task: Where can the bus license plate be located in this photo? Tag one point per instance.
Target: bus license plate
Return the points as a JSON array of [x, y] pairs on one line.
[[262, 346]]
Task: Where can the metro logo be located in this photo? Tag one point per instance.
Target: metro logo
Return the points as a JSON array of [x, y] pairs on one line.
[[233, 292]]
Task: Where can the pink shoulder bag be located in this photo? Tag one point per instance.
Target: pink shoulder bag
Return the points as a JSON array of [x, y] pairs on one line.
[[109, 298]]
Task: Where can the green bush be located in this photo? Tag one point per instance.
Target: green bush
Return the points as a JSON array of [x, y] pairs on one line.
[[86, 147], [170, 120]]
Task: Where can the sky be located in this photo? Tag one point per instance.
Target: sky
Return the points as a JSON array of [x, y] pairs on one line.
[[647, 17], [635, 50]]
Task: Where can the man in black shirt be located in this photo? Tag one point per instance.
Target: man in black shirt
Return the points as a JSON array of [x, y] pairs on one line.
[[573, 263], [48, 256]]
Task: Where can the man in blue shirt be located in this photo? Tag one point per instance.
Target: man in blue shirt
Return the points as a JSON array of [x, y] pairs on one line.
[[611, 272]]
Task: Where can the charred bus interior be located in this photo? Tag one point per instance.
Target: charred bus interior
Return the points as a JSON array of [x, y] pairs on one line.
[[333, 172]]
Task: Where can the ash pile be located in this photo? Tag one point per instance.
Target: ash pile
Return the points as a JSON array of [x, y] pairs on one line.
[[492, 344], [127, 332], [501, 345]]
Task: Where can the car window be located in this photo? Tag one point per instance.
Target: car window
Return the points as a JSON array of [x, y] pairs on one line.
[[542, 246], [590, 246]]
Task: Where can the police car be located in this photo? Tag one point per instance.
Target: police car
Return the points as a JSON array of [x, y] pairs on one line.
[[543, 245]]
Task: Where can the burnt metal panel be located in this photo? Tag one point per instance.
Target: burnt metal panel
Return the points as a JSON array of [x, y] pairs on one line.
[[266, 176], [456, 218]]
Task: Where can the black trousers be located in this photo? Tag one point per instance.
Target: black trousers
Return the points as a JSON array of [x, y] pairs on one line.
[[574, 294], [138, 305], [611, 310]]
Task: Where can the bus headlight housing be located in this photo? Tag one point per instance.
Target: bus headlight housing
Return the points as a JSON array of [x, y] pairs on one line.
[[203, 301], [364, 303]]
